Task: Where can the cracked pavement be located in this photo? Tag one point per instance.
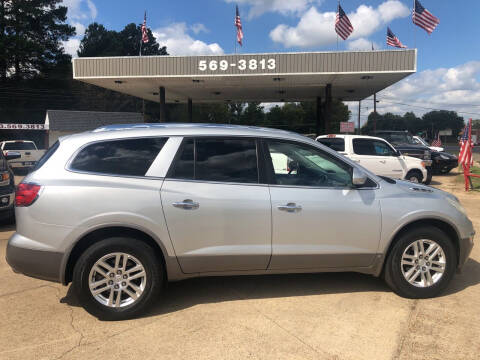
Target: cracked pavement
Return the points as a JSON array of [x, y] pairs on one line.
[[311, 316]]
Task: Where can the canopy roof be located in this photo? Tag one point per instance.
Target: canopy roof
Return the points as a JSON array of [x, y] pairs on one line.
[[269, 77]]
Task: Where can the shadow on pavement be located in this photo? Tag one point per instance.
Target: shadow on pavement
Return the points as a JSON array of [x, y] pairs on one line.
[[188, 293]]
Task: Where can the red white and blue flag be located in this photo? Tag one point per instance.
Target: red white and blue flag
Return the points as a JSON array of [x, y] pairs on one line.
[[238, 25], [465, 157], [392, 40], [437, 142], [144, 29], [424, 18], [343, 26]]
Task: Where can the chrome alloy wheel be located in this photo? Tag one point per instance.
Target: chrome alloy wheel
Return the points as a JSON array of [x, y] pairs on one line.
[[117, 280], [413, 179], [423, 263]]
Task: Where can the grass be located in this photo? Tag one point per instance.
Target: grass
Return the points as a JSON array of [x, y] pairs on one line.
[[475, 181]]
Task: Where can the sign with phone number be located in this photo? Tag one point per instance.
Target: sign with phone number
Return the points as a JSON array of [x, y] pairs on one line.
[[23, 127], [242, 65]]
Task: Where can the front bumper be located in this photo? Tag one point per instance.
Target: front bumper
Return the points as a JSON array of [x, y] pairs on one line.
[[7, 198], [466, 246], [440, 164], [36, 263]]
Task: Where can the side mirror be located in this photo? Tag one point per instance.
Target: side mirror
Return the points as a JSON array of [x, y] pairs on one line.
[[358, 177], [12, 155]]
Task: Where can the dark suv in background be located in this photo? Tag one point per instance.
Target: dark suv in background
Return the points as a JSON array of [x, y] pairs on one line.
[[442, 162], [7, 187]]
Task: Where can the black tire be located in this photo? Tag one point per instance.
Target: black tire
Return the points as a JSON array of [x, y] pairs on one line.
[[393, 273], [445, 170], [141, 251], [414, 174], [428, 180]]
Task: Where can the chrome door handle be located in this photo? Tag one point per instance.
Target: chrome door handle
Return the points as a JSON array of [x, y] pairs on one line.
[[186, 204], [290, 207]]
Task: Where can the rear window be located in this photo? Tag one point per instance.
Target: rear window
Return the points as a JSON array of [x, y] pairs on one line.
[[19, 145], [217, 159], [129, 157], [337, 144]]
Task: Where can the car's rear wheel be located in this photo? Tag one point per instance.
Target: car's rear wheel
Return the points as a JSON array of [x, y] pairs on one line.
[[118, 278], [421, 263]]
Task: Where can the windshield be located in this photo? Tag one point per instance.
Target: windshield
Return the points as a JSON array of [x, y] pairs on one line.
[[399, 138], [421, 141]]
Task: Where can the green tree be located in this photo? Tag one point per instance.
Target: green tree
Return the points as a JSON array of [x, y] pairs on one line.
[[441, 120], [476, 124], [253, 114], [31, 33], [98, 41]]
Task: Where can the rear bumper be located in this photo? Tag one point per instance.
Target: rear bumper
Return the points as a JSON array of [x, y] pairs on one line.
[[39, 264], [466, 246]]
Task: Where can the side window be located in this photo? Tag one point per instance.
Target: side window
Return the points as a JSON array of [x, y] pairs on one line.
[[303, 165], [217, 159], [130, 157], [337, 144], [363, 147], [383, 149]]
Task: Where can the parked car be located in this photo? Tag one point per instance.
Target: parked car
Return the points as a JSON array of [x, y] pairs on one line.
[[7, 187], [29, 154], [418, 140], [378, 156], [121, 210]]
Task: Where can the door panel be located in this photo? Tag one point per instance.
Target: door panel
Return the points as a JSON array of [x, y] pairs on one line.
[[229, 230], [319, 219], [334, 228]]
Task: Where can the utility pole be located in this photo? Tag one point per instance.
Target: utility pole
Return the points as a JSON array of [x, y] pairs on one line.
[[375, 113], [359, 105]]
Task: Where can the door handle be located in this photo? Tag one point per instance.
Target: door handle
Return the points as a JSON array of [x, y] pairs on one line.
[[290, 207], [357, 161], [383, 161], [186, 204]]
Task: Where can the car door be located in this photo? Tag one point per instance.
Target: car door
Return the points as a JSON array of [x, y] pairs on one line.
[[218, 214], [319, 220], [377, 156]]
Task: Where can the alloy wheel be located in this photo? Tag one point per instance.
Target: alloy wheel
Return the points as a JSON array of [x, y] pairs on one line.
[[423, 263], [117, 280]]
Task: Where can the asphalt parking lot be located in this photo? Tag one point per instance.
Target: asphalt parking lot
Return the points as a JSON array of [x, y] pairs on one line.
[[312, 316]]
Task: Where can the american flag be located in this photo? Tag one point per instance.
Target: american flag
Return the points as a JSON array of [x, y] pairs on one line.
[[343, 26], [238, 25], [424, 18], [144, 29], [466, 145], [392, 40], [437, 142]]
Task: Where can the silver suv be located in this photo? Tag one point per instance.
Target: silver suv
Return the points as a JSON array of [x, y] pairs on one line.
[[121, 210]]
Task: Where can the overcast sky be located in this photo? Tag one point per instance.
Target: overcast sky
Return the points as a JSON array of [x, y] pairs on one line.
[[448, 74]]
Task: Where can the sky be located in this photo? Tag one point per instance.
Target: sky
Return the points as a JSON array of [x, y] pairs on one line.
[[448, 69]]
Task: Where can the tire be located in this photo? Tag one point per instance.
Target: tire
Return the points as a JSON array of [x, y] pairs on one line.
[[395, 269], [414, 176], [445, 170], [428, 180], [148, 283]]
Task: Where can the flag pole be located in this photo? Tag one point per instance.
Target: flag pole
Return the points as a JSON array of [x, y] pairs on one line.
[[414, 30]]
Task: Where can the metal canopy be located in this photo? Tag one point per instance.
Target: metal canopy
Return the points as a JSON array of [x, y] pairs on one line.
[[269, 77]]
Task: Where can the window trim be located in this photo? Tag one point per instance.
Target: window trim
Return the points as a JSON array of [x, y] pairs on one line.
[[258, 151], [69, 168], [271, 174]]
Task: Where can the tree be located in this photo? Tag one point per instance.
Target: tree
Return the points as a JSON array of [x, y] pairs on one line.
[[441, 120], [253, 114], [30, 36], [476, 124], [98, 41]]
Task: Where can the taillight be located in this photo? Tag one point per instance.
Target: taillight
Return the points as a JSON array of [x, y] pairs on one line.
[[26, 194]]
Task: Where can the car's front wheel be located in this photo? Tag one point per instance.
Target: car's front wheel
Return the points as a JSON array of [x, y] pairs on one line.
[[421, 263], [118, 278]]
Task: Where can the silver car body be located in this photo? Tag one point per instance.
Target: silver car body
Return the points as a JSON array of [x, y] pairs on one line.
[[236, 228]]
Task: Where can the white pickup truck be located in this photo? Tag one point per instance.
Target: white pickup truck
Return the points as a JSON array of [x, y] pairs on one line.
[[377, 155], [27, 149]]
